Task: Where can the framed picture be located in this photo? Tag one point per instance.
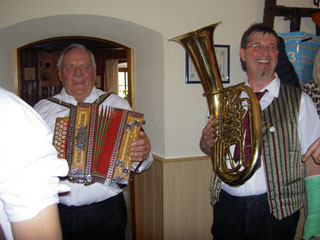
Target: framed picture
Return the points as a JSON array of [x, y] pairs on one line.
[[223, 59], [49, 74], [30, 73]]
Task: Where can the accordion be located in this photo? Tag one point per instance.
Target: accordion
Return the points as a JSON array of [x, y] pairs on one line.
[[96, 142]]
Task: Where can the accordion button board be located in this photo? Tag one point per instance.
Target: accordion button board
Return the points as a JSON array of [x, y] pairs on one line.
[[96, 142]]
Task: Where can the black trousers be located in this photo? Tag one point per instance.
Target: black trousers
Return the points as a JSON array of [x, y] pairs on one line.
[[103, 220], [249, 218]]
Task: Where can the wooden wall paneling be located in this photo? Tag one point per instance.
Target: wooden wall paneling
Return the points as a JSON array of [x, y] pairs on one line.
[[150, 188], [158, 200], [199, 210], [127, 198], [175, 201], [140, 210], [149, 203]]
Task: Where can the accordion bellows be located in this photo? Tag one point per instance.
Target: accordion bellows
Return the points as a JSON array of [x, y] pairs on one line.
[[96, 142]]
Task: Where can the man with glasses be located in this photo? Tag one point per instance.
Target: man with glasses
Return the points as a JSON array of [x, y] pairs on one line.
[[267, 205]]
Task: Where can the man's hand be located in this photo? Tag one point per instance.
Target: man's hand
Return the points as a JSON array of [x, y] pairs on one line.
[[141, 148], [314, 152], [207, 138]]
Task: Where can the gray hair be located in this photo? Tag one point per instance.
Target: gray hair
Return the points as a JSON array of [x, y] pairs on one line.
[[75, 46]]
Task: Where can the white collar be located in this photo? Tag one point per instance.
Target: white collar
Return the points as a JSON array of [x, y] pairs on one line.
[[64, 96], [273, 87]]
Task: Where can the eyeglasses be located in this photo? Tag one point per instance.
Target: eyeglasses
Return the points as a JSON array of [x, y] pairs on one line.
[[260, 47]]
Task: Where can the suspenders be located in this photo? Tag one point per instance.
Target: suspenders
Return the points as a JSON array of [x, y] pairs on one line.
[[69, 105]]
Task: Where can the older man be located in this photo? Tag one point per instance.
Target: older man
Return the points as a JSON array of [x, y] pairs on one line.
[[95, 211], [267, 205]]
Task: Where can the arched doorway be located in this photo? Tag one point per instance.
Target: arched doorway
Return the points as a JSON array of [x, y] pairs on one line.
[[38, 74], [38, 79]]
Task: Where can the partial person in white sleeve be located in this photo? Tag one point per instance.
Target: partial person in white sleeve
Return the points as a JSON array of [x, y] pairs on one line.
[[95, 211], [29, 171], [267, 205]]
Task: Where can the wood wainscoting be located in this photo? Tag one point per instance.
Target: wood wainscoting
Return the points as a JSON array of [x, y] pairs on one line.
[[173, 200]]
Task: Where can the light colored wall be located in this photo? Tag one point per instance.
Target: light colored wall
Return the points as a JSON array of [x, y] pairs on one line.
[[175, 112]]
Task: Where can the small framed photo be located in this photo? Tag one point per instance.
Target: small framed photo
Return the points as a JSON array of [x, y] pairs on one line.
[[223, 59], [30, 73]]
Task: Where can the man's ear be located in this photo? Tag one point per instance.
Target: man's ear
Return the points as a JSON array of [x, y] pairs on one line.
[[60, 78], [242, 54]]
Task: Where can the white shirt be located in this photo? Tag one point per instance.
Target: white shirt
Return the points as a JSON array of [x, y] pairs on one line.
[[81, 194], [308, 130], [28, 163]]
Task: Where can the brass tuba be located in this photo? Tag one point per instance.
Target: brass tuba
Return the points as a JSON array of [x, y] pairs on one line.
[[228, 106]]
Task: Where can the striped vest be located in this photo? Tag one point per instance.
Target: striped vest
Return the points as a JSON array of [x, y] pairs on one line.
[[281, 150]]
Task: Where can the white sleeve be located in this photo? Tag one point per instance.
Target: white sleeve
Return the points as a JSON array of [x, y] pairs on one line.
[[144, 165], [308, 123], [28, 162]]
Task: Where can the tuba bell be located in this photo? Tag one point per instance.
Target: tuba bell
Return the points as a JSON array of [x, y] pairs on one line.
[[228, 107]]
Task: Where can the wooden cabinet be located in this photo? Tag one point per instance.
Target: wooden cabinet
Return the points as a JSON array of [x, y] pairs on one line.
[[292, 14]]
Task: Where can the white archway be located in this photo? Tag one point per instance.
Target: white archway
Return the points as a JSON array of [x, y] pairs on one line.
[[147, 45]]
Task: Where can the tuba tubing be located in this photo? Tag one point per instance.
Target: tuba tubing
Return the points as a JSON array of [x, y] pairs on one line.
[[228, 106]]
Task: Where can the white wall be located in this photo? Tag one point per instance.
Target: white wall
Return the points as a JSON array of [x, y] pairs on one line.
[[175, 112]]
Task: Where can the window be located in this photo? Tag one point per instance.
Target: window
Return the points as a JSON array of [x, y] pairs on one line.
[[123, 80]]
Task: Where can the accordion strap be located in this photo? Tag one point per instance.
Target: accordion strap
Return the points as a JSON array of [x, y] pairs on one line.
[[69, 105], [103, 97]]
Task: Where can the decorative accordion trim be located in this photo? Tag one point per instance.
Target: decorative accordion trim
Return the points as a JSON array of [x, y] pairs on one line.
[[96, 142]]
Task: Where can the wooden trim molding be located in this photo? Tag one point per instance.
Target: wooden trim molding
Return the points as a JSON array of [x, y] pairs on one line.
[[184, 159]]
